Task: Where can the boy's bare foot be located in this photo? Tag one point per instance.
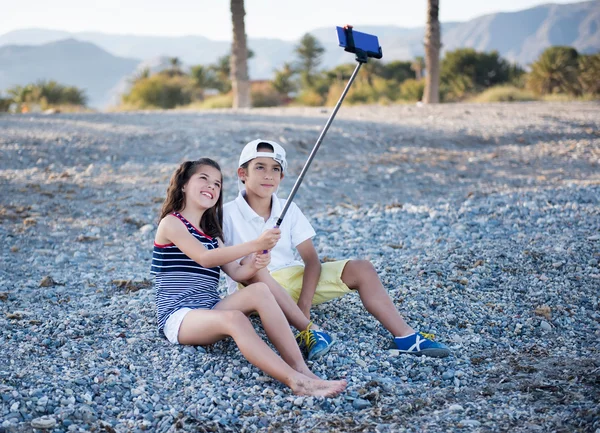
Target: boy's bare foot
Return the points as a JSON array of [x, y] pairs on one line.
[[319, 388]]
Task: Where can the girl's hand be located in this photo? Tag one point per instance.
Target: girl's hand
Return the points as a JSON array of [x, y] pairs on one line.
[[261, 260], [268, 239]]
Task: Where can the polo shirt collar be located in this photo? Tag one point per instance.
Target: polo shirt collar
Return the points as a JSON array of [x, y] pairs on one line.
[[249, 214]]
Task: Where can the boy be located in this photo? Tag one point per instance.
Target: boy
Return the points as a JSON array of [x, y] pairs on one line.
[[298, 285]]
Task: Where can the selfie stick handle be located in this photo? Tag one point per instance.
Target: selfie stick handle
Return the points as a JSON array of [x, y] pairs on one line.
[[316, 147], [290, 198]]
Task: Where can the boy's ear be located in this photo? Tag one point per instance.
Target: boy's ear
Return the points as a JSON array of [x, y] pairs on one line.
[[241, 173], [282, 175]]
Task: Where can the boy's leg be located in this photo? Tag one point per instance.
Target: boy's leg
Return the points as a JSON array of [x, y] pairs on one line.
[[360, 275]]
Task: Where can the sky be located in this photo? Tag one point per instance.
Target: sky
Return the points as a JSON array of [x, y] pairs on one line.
[[281, 19]]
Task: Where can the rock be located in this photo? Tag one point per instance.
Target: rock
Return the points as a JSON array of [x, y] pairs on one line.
[[146, 228], [44, 422], [469, 423], [360, 404], [545, 326]]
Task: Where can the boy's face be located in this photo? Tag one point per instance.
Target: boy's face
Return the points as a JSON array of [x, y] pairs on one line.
[[262, 177]]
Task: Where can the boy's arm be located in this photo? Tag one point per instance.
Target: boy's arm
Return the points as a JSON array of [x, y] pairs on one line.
[[312, 272]]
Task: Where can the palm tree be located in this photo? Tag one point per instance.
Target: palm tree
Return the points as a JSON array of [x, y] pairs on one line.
[[555, 71], [418, 65], [175, 66], [239, 57], [432, 53]]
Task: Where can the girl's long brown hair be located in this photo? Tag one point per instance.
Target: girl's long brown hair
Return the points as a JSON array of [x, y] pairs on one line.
[[212, 219]]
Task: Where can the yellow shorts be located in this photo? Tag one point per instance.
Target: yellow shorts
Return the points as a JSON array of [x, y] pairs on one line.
[[330, 284]]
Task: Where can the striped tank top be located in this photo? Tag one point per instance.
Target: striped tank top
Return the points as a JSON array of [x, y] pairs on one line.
[[181, 282]]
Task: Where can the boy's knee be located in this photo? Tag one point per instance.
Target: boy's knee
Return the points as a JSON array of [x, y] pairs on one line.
[[362, 266]]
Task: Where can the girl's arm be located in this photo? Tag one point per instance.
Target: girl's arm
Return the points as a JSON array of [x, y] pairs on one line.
[[251, 265], [312, 272], [172, 230]]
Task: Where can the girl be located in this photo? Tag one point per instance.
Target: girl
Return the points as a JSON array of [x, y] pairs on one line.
[[188, 255]]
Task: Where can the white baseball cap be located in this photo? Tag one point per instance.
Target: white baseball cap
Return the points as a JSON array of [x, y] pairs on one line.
[[250, 152]]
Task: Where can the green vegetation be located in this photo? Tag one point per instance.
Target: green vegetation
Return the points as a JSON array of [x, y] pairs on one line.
[[43, 95], [562, 70], [559, 74], [504, 93], [465, 72]]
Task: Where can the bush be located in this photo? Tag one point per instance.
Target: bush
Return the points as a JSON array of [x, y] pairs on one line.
[[263, 94], [217, 101], [555, 71], [4, 104], [466, 71], [504, 94], [310, 97], [589, 73], [47, 94], [412, 90], [160, 91]]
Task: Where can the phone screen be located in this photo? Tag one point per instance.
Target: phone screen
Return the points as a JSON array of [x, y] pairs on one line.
[[363, 41]]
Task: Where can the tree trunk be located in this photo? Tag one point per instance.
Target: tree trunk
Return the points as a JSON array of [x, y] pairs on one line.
[[432, 53], [239, 57]]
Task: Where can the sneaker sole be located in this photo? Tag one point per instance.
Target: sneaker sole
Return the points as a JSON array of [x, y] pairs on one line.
[[322, 352], [434, 353]]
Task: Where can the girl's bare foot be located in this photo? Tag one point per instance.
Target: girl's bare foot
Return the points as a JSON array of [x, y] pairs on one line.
[[320, 388], [306, 371]]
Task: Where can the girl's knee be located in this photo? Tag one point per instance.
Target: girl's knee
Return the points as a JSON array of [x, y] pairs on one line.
[[260, 292], [235, 319]]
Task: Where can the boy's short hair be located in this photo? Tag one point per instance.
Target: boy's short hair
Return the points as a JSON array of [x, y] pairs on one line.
[[250, 152]]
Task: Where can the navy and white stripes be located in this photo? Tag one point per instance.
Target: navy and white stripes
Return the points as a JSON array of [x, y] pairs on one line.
[[180, 281]]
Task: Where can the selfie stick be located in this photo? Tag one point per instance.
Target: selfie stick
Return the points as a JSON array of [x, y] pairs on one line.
[[361, 57]]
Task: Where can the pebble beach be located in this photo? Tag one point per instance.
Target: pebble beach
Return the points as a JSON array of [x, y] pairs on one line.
[[483, 221]]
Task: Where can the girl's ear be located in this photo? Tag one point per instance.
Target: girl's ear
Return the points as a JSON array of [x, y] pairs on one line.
[[241, 173]]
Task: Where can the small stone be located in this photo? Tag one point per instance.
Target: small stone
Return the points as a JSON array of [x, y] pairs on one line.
[[545, 326], [47, 281], [448, 374], [146, 228], [360, 403], [44, 422], [298, 401], [455, 408], [544, 310], [469, 423]]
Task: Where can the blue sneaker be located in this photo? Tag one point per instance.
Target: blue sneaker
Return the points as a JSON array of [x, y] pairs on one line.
[[420, 344], [316, 343]]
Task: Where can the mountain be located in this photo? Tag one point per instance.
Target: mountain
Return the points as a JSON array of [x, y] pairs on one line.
[[521, 36], [518, 36], [70, 62]]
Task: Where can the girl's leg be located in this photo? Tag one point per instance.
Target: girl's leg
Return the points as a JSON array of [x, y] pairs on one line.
[[360, 275], [290, 309], [258, 297], [201, 327]]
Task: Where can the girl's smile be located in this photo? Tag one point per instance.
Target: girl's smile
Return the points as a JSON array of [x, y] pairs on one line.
[[204, 187]]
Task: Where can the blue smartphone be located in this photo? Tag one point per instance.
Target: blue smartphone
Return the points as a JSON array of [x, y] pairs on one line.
[[362, 41]]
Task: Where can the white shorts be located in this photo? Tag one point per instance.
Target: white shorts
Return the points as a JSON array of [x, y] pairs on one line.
[[173, 323]]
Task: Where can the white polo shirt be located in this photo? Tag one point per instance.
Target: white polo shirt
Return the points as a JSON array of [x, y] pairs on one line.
[[241, 224]]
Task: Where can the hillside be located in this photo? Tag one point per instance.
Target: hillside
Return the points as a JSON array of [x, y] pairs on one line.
[[69, 62]]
